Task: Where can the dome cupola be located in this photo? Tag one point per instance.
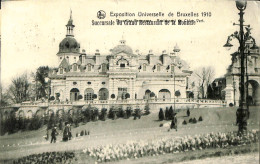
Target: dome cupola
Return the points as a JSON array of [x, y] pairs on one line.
[[122, 47], [69, 44]]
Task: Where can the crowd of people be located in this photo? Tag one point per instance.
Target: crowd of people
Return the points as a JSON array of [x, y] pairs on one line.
[[67, 135]]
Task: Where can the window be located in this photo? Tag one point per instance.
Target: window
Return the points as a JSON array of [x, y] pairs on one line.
[[89, 67], [103, 82], [144, 67], [121, 93], [122, 65], [61, 70], [172, 68], [88, 96], [103, 67], [74, 83], [158, 68], [74, 67], [60, 57], [89, 82]]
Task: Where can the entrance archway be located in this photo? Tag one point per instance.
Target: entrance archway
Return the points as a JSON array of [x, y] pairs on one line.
[[253, 92], [21, 114], [88, 94], [164, 94], [147, 94], [103, 94], [74, 93]]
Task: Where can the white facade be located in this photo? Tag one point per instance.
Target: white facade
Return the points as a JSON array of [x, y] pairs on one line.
[[118, 75]]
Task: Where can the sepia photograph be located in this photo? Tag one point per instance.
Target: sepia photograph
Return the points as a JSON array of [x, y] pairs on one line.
[[120, 81]]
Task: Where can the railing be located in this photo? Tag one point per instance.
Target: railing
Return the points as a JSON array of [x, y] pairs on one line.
[[128, 101]]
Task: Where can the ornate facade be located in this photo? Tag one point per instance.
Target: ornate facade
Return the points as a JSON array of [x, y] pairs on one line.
[[119, 75], [252, 78]]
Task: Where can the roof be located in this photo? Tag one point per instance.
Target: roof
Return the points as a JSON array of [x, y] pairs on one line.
[[69, 44], [64, 63]]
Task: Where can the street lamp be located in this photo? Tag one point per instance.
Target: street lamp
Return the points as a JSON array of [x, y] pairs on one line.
[[47, 80], [242, 112]]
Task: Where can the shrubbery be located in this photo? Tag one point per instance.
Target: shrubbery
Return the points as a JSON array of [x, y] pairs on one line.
[[200, 118], [184, 122], [47, 157], [137, 113]]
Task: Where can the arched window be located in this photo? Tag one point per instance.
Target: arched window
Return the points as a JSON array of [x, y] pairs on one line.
[[74, 93], [147, 94], [103, 94], [89, 67], [164, 94], [75, 67], [122, 62], [88, 94]]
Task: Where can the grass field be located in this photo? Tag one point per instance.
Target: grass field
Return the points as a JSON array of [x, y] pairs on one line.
[[123, 130]]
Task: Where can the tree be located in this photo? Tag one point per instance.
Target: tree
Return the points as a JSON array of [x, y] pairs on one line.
[[127, 95], [19, 89], [94, 96], [80, 97], [152, 94], [210, 92], [5, 98], [177, 93], [204, 76], [113, 96], [42, 86]]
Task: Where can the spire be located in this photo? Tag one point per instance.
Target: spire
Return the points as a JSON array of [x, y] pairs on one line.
[[70, 26], [122, 41], [176, 48], [70, 14]]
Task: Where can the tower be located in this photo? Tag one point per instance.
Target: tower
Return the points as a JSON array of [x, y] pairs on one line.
[[70, 26]]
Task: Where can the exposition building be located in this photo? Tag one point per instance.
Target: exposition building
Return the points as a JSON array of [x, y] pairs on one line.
[[121, 79], [119, 75]]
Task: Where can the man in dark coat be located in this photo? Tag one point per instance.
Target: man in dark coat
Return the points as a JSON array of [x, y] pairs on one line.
[[174, 122], [66, 132], [188, 112], [53, 134]]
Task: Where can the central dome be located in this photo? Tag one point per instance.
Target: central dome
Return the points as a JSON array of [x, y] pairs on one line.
[[122, 48], [69, 44]]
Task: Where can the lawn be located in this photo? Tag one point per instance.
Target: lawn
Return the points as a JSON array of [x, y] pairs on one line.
[[123, 130]]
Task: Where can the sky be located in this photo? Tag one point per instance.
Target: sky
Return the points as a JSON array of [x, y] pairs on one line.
[[32, 30]]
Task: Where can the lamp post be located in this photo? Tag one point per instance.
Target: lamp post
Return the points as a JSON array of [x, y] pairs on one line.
[[47, 80], [242, 112]]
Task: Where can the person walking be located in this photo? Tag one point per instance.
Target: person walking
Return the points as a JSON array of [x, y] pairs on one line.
[[66, 132], [175, 121], [53, 134], [188, 113], [69, 133]]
